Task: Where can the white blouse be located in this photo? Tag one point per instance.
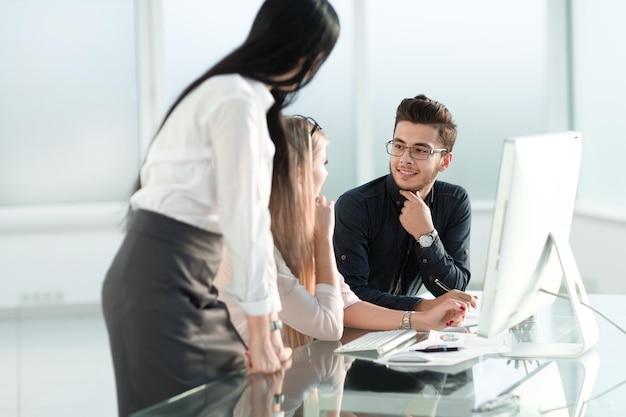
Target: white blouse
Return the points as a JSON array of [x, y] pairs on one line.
[[211, 166]]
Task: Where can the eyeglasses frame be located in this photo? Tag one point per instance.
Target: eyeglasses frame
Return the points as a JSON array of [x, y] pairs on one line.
[[316, 126], [430, 151]]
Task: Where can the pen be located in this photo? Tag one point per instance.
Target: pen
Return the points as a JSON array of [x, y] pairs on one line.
[[440, 285], [440, 348]]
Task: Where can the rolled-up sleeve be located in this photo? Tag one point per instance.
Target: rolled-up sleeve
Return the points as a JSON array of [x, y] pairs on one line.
[[319, 316]]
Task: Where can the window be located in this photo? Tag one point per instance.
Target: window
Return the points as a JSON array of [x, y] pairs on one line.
[[69, 129]]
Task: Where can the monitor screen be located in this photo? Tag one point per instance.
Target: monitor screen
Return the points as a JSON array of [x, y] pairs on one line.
[[529, 254]]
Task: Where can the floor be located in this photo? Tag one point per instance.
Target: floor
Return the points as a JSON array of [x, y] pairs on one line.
[[55, 362]]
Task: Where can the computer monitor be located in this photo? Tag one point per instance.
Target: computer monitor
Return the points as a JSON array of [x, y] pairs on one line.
[[529, 254]]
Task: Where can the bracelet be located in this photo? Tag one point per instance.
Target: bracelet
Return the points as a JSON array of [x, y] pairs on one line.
[[406, 320], [276, 325]]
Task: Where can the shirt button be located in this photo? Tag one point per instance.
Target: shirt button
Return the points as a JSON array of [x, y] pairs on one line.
[[424, 261], [343, 257]]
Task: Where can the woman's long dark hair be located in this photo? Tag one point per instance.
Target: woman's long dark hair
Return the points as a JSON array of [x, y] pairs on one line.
[[283, 33]]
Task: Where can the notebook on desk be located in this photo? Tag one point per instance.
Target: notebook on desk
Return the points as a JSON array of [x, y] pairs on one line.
[[468, 348]]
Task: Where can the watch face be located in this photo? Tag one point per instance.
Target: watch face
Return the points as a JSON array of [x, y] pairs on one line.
[[425, 241]]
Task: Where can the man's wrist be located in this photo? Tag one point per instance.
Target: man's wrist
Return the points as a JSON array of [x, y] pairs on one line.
[[426, 240]]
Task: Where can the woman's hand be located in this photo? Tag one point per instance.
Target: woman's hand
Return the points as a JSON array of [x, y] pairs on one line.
[[266, 351], [446, 313], [465, 298], [324, 218]]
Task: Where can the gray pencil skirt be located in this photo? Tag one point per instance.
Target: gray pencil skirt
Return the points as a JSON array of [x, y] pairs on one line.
[[167, 330]]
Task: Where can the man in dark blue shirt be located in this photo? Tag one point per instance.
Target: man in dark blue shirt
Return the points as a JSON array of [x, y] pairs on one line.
[[407, 229]]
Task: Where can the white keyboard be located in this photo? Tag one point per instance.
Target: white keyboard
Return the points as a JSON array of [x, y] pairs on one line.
[[377, 343]]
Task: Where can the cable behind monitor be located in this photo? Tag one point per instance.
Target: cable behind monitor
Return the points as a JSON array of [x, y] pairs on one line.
[[598, 312]]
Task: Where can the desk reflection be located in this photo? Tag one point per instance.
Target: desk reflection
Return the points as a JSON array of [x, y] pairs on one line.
[[320, 383], [314, 375], [372, 389]]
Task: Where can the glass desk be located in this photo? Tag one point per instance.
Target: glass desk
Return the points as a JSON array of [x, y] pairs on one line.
[[321, 383]]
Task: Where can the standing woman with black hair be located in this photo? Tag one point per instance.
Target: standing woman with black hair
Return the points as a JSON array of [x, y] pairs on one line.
[[205, 184]]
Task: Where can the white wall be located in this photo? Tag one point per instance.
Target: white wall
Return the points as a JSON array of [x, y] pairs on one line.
[[68, 101], [57, 254], [599, 61], [595, 243]]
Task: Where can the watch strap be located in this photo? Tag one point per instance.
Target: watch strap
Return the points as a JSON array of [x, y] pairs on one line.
[[406, 320], [276, 325]]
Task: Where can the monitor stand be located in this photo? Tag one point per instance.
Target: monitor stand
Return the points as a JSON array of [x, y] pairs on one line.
[[588, 363], [584, 316]]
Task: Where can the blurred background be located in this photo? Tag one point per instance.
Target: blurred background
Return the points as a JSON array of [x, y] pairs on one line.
[[84, 84]]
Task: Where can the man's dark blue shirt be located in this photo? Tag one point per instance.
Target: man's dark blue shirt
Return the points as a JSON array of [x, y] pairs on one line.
[[382, 262]]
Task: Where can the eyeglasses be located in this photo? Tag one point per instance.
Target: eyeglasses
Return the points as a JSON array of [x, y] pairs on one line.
[[415, 152], [311, 120]]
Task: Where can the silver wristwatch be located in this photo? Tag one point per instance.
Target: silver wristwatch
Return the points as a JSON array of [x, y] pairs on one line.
[[425, 241], [276, 325], [406, 320]]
